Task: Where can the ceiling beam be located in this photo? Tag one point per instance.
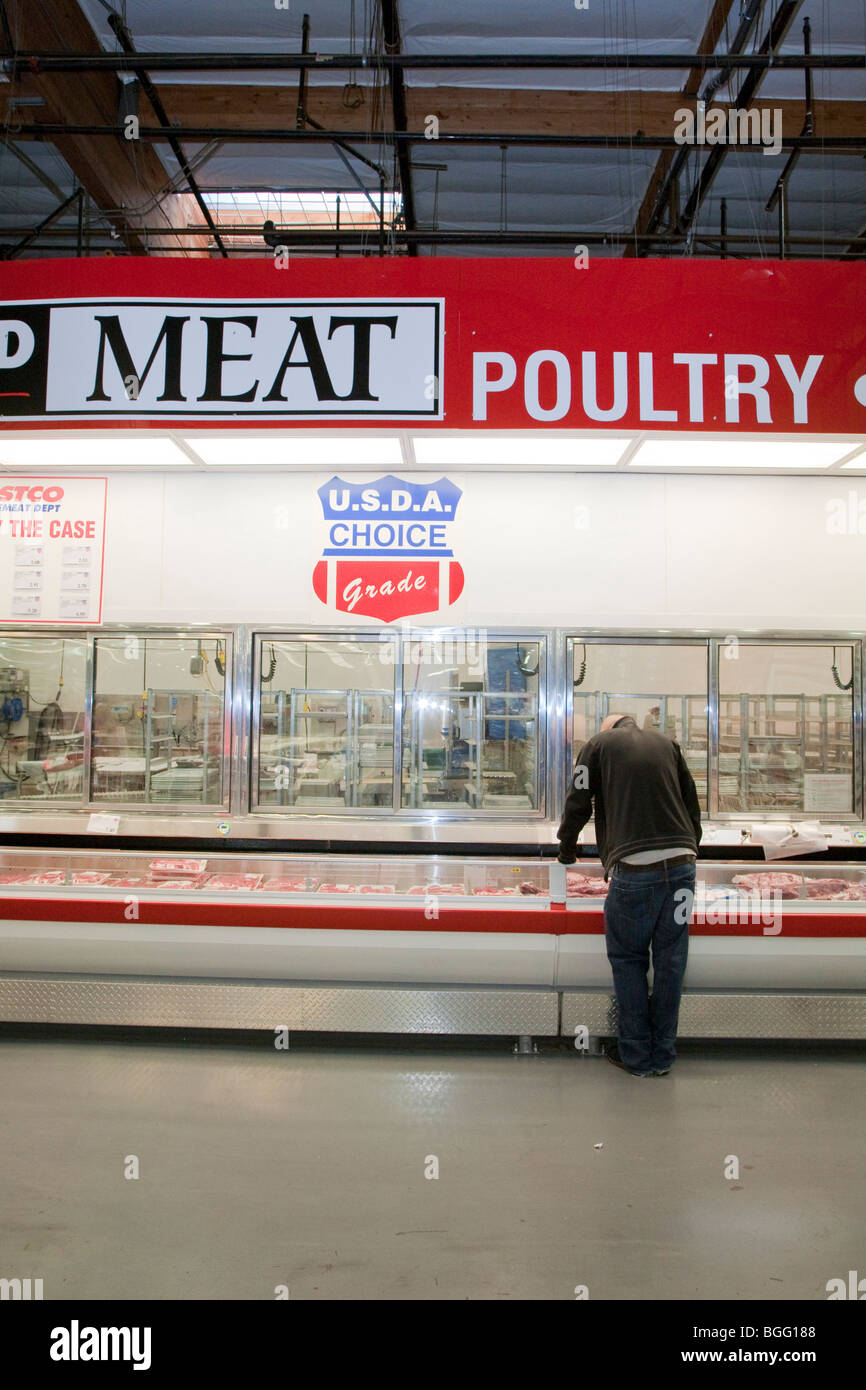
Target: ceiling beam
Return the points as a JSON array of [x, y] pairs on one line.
[[393, 47], [464, 109], [124, 178], [658, 188]]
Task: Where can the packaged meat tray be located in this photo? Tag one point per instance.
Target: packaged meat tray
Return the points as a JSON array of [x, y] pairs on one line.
[[286, 885], [84, 876], [530, 890], [14, 876], [438, 889], [377, 888], [128, 881], [172, 883], [176, 868], [232, 883], [49, 876], [338, 887], [494, 893]]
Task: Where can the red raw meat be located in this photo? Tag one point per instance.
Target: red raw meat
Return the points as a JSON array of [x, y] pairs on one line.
[[52, 876], [768, 882], [232, 883], [128, 881], [828, 888], [857, 891], [377, 888], [89, 876], [530, 889], [338, 887], [495, 892], [15, 876]]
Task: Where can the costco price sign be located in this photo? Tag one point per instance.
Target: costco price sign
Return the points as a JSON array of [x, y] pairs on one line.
[[52, 549]]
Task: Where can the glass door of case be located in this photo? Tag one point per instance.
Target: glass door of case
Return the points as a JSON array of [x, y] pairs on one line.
[[787, 729], [662, 685], [43, 681], [325, 724], [159, 726], [471, 725]]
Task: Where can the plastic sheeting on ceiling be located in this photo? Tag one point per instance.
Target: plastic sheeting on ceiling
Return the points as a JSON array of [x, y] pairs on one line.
[[563, 190]]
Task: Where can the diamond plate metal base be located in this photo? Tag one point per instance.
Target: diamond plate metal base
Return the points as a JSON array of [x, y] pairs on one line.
[[724, 1014], [327, 1008]]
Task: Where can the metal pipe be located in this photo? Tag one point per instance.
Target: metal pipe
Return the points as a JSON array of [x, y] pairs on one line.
[[328, 236], [301, 113], [124, 38], [393, 46], [709, 248], [840, 144], [775, 36], [8, 253], [808, 127], [723, 227], [748, 18], [38, 62]]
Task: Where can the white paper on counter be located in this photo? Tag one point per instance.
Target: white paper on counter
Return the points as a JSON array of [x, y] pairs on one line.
[[787, 841]]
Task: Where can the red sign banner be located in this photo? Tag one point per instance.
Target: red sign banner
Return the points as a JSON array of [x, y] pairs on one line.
[[722, 346]]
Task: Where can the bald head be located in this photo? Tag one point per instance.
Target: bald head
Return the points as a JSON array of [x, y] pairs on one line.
[[611, 720]]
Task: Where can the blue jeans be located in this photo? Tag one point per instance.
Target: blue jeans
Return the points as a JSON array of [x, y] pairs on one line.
[[649, 908]]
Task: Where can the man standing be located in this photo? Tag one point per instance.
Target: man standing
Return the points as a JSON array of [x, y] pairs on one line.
[[648, 828]]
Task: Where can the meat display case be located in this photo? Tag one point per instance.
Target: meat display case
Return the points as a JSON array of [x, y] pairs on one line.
[[411, 944]]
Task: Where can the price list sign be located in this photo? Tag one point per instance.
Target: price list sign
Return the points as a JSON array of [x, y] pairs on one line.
[[52, 549]]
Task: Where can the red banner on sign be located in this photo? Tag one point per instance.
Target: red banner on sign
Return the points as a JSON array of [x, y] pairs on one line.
[[723, 346]]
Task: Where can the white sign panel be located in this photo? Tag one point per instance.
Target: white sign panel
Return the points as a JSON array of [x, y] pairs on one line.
[[52, 545], [305, 359], [827, 791]]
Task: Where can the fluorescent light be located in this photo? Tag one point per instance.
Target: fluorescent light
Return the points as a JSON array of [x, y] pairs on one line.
[[262, 450], [739, 453], [22, 451], [529, 450]]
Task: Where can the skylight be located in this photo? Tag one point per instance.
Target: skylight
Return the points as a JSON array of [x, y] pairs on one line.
[[248, 210]]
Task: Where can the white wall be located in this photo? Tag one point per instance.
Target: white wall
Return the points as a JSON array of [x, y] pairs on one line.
[[595, 550]]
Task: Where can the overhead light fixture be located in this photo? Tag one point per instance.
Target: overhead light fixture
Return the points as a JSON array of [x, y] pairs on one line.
[[530, 450], [246, 451], [96, 452], [734, 453]]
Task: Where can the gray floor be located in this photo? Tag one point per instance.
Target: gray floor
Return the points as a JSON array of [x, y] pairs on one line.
[[307, 1169]]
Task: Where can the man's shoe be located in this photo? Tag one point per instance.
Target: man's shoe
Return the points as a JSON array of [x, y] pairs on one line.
[[663, 1071], [612, 1055]]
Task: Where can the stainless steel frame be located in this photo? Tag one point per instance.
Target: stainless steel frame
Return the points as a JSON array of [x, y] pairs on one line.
[[146, 630], [403, 638], [158, 1003], [713, 641], [237, 816]]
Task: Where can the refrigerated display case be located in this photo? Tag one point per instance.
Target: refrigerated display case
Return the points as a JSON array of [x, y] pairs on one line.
[[411, 944], [453, 735]]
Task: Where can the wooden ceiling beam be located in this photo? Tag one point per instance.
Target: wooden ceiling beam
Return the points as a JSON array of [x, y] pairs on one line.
[[466, 110], [709, 40], [126, 180]]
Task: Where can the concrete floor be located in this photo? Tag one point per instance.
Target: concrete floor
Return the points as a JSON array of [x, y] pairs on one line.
[[307, 1168]]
